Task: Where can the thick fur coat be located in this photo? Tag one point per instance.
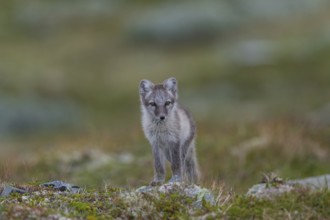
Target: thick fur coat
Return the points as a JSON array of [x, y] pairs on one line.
[[170, 130]]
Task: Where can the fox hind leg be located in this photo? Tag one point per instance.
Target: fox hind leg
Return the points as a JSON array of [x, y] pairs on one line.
[[191, 170]]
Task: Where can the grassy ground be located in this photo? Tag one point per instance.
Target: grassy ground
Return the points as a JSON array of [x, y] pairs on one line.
[[262, 109], [111, 203], [235, 155], [252, 119]]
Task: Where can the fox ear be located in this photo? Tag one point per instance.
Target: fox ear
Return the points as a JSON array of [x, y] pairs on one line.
[[171, 85], [145, 86]]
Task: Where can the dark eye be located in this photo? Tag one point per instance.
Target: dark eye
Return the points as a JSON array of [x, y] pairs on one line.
[[167, 103], [153, 104]]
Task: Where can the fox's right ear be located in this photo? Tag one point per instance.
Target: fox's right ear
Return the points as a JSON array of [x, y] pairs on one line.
[[145, 87]]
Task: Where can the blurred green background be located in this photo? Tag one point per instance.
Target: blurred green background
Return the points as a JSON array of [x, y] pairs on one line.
[[255, 74]]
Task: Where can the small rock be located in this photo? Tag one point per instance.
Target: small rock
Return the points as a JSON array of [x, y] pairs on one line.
[[317, 182], [270, 190], [62, 186], [267, 191], [200, 194], [8, 190], [192, 191]]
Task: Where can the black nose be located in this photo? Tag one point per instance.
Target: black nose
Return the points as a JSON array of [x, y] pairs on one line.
[[162, 117]]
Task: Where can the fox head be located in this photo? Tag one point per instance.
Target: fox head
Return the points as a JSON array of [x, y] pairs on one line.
[[159, 100]]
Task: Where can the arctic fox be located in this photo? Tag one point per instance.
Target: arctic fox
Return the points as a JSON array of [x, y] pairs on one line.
[[170, 130]]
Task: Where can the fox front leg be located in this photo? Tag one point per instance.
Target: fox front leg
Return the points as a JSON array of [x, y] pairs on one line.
[[159, 167], [176, 163]]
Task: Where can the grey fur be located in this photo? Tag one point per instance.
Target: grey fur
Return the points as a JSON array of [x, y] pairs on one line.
[[170, 130]]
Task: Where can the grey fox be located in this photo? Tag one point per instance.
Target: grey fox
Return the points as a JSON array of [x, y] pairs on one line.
[[170, 130]]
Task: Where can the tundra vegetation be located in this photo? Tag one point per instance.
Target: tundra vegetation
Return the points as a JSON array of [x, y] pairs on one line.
[[257, 85]]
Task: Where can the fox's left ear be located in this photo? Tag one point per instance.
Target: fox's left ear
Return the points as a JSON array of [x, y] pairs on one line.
[[171, 85]]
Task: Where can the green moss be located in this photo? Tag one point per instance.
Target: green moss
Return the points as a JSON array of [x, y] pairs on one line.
[[172, 204], [82, 208]]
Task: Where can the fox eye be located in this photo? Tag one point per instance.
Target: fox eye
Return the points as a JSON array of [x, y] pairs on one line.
[[153, 104], [167, 103]]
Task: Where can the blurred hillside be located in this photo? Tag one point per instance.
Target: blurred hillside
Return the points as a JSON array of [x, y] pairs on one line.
[[248, 70]]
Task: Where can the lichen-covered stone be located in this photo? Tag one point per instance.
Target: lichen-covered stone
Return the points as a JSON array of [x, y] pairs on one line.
[[272, 189], [8, 190], [267, 191], [62, 186], [193, 191], [317, 182]]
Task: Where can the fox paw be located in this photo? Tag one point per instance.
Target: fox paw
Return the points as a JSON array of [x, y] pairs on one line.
[[175, 178]]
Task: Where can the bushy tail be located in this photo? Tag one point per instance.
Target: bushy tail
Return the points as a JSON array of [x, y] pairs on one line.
[[191, 169]]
